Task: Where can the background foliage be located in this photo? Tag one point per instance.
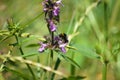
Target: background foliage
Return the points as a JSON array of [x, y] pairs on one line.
[[96, 39]]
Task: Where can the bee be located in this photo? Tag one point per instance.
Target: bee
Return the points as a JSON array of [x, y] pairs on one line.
[[64, 37]]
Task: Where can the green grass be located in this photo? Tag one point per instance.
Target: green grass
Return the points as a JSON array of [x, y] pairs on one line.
[[94, 43]]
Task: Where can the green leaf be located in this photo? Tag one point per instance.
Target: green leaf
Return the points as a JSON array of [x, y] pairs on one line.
[[32, 20], [13, 44], [56, 67], [31, 38], [74, 78], [17, 73], [87, 51], [25, 35], [4, 32], [33, 45], [116, 48], [28, 55], [70, 47], [70, 60], [5, 38]]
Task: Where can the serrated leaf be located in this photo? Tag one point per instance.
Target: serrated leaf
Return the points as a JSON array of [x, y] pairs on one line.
[[70, 60]]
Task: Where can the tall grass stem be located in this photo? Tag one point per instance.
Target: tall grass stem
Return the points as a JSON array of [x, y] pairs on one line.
[[22, 53]]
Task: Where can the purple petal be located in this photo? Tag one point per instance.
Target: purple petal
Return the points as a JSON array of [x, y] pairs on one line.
[[56, 11], [45, 8], [56, 38], [59, 2], [62, 45], [63, 49], [52, 26], [42, 48], [60, 42]]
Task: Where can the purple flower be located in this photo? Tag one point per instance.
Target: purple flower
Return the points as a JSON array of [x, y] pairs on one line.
[[59, 2], [56, 11], [52, 9], [42, 48], [44, 6], [56, 38], [59, 43], [62, 47], [52, 26]]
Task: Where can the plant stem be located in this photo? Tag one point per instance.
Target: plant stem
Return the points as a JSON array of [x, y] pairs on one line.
[[52, 38], [104, 72], [22, 53], [38, 69], [106, 20], [51, 53], [72, 67], [31, 21], [55, 68]]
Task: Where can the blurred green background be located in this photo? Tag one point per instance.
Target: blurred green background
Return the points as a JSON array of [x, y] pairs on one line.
[[91, 34]]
